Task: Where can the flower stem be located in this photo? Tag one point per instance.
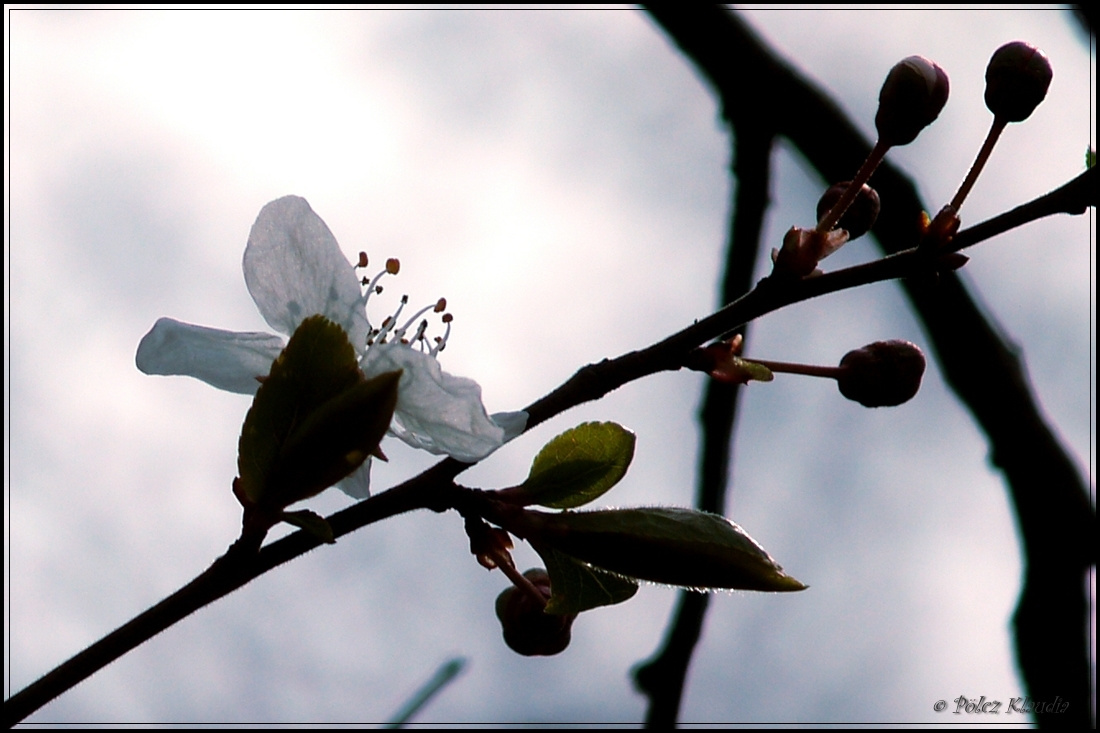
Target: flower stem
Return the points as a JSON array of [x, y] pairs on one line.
[[520, 581], [995, 131], [829, 221], [810, 370]]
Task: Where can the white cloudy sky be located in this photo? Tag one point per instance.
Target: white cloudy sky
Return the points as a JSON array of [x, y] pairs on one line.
[[560, 176]]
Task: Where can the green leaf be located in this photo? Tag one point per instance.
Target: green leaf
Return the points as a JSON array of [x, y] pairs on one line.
[[314, 419], [1090, 158], [576, 587], [579, 465], [335, 439], [311, 522], [682, 547]]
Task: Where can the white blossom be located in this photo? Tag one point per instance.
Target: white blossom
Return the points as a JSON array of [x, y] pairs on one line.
[[294, 269]]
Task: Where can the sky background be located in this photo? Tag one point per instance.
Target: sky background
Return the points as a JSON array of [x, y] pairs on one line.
[[561, 177]]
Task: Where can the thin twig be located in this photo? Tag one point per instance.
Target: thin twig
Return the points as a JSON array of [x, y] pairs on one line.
[[228, 573], [1050, 498], [1071, 198], [447, 672], [434, 489]]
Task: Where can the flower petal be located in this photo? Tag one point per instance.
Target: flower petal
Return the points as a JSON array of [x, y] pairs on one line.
[[513, 423], [295, 269], [436, 411], [357, 485], [224, 359]]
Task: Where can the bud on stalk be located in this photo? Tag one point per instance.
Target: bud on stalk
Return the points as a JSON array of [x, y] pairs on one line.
[[1016, 81], [882, 374], [911, 98], [528, 629], [861, 213]]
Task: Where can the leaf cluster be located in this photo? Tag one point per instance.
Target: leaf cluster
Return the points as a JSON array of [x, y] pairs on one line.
[[596, 558], [314, 420]]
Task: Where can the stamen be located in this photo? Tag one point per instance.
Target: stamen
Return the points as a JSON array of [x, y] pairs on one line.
[[441, 343], [434, 308], [388, 331], [419, 338], [387, 325], [373, 288]]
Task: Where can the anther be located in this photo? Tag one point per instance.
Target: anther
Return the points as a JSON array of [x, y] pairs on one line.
[[401, 331], [441, 342], [388, 331]]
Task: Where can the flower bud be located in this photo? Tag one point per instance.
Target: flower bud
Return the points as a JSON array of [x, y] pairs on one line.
[[882, 374], [528, 629], [861, 214], [721, 361], [1016, 81], [912, 96], [803, 249]]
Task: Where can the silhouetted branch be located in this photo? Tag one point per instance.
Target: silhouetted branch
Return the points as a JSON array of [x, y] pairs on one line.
[[1055, 516], [1072, 198], [228, 573], [1050, 499], [662, 677]]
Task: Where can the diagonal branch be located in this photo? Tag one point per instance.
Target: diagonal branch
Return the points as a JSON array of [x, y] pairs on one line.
[[434, 489], [1050, 498]]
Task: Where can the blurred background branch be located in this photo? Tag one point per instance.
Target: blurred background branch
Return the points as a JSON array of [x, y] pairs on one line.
[[981, 364], [564, 179], [662, 677]]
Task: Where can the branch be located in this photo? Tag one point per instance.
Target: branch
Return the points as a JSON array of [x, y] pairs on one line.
[[434, 489], [1072, 198], [662, 676], [228, 573], [447, 672], [1050, 498]]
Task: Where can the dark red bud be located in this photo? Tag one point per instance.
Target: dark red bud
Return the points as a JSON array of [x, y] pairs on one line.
[[861, 214], [528, 629], [882, 374], [912, 96], [1016, 81]]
